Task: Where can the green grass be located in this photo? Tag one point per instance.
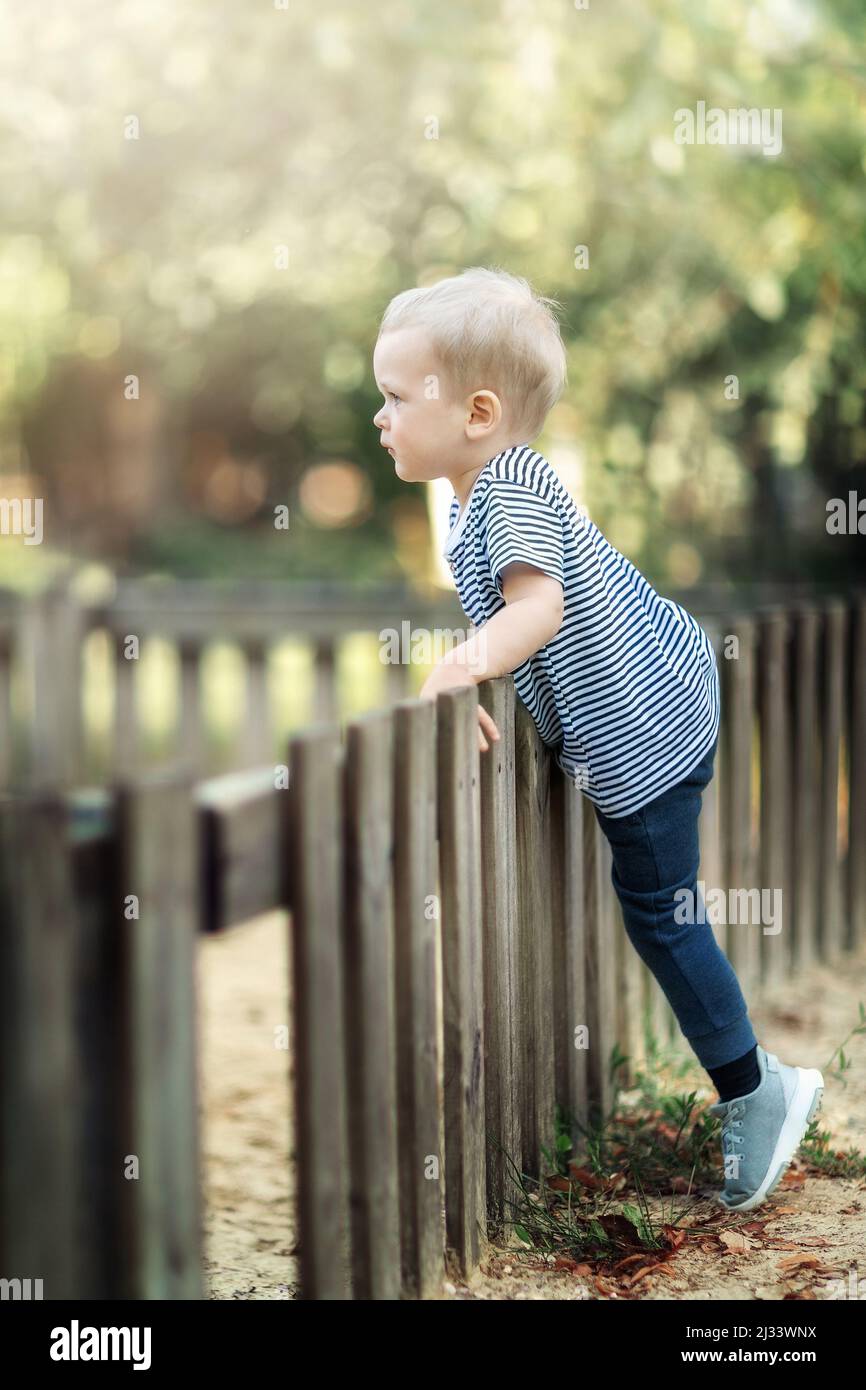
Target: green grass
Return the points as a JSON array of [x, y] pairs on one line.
[[655, 1144]]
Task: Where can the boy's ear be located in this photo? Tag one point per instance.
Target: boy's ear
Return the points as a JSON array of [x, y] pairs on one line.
[[484, 409]]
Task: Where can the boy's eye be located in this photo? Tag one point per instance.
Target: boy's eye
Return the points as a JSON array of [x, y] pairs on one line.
[[393, 397]]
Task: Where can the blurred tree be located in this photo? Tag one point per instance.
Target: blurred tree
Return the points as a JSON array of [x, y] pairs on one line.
[[217, 202]]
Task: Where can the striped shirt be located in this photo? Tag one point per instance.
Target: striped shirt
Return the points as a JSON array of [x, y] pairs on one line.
[[627, 692]]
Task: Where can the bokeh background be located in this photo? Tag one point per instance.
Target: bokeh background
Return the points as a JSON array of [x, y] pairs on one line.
[[209, 205]]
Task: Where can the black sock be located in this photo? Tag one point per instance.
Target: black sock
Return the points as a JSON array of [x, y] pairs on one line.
[[737, 1078]]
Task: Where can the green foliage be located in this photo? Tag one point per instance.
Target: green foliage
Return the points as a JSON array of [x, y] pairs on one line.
[[262, 127]]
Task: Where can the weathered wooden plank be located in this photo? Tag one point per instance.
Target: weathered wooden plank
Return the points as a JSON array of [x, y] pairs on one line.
[[710, 870], [806, 787], [368, 957], [269, 612], [832, 931], [503, 1006], [40, 1074], [462, 975], [571, 1037], [126, 749], [106, 1256], [49, 640], [600, 968], [532, 793], [419, 1045], [239, 842], [7, 749], [314, 849], [190, 745], [856, 898], [158, 1162], [396, 681], [257, 743], [628, 993], [738, 709], [324, 679], [776, 828]]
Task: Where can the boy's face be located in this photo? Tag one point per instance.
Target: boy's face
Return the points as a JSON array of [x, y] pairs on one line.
[[422, 425]]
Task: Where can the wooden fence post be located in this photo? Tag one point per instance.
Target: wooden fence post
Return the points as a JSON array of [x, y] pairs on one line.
[[8, 749], [419, 1049], [805, 788], [775, 796], [463, 975], [50, 633], [710, 870], [257, 744], [535, 937], [568, 809], [314, 831], [325, 700], [600, 969], [743, 946], [105, 1267], [856, 897], [503, 1006], [832, 933], [191, 738], [157, 921], [126, 744], [40, 1081], [368, 961]]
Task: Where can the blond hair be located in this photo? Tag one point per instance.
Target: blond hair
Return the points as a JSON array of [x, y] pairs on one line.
[[491, 331]]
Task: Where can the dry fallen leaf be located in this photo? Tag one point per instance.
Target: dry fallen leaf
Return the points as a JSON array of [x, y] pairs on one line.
[[790, 1263], [793, 1179], [585, 1177], [673, 1236], [737, 1243], [641, 1274], [558, 1184]]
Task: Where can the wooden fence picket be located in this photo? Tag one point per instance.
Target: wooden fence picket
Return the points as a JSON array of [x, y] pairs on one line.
[[368, 974], [156, 918], [775, 833], [419, 1040], [832, 717], [856, 850], [743, 945], [41, 1085], [314, 837], [600, 962], [570, 1002], [462, 975], [503, 1010], [535, 944]]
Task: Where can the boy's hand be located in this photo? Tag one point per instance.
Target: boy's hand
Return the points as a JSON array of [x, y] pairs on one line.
[[446, 677]]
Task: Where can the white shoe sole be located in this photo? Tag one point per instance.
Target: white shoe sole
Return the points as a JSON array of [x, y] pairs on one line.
[[805, 1105]]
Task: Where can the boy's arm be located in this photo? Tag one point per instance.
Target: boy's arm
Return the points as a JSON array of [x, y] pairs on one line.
[[532, 616]]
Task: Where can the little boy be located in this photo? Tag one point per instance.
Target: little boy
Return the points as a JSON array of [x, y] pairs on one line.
[[621, 683]]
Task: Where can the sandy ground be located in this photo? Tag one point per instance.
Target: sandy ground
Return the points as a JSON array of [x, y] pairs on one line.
[[812, 1230]]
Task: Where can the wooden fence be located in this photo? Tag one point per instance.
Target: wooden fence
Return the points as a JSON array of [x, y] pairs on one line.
[[44, 640], [453, 928]]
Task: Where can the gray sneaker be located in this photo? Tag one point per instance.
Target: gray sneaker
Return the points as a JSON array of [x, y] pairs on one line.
[[762, 1131]]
